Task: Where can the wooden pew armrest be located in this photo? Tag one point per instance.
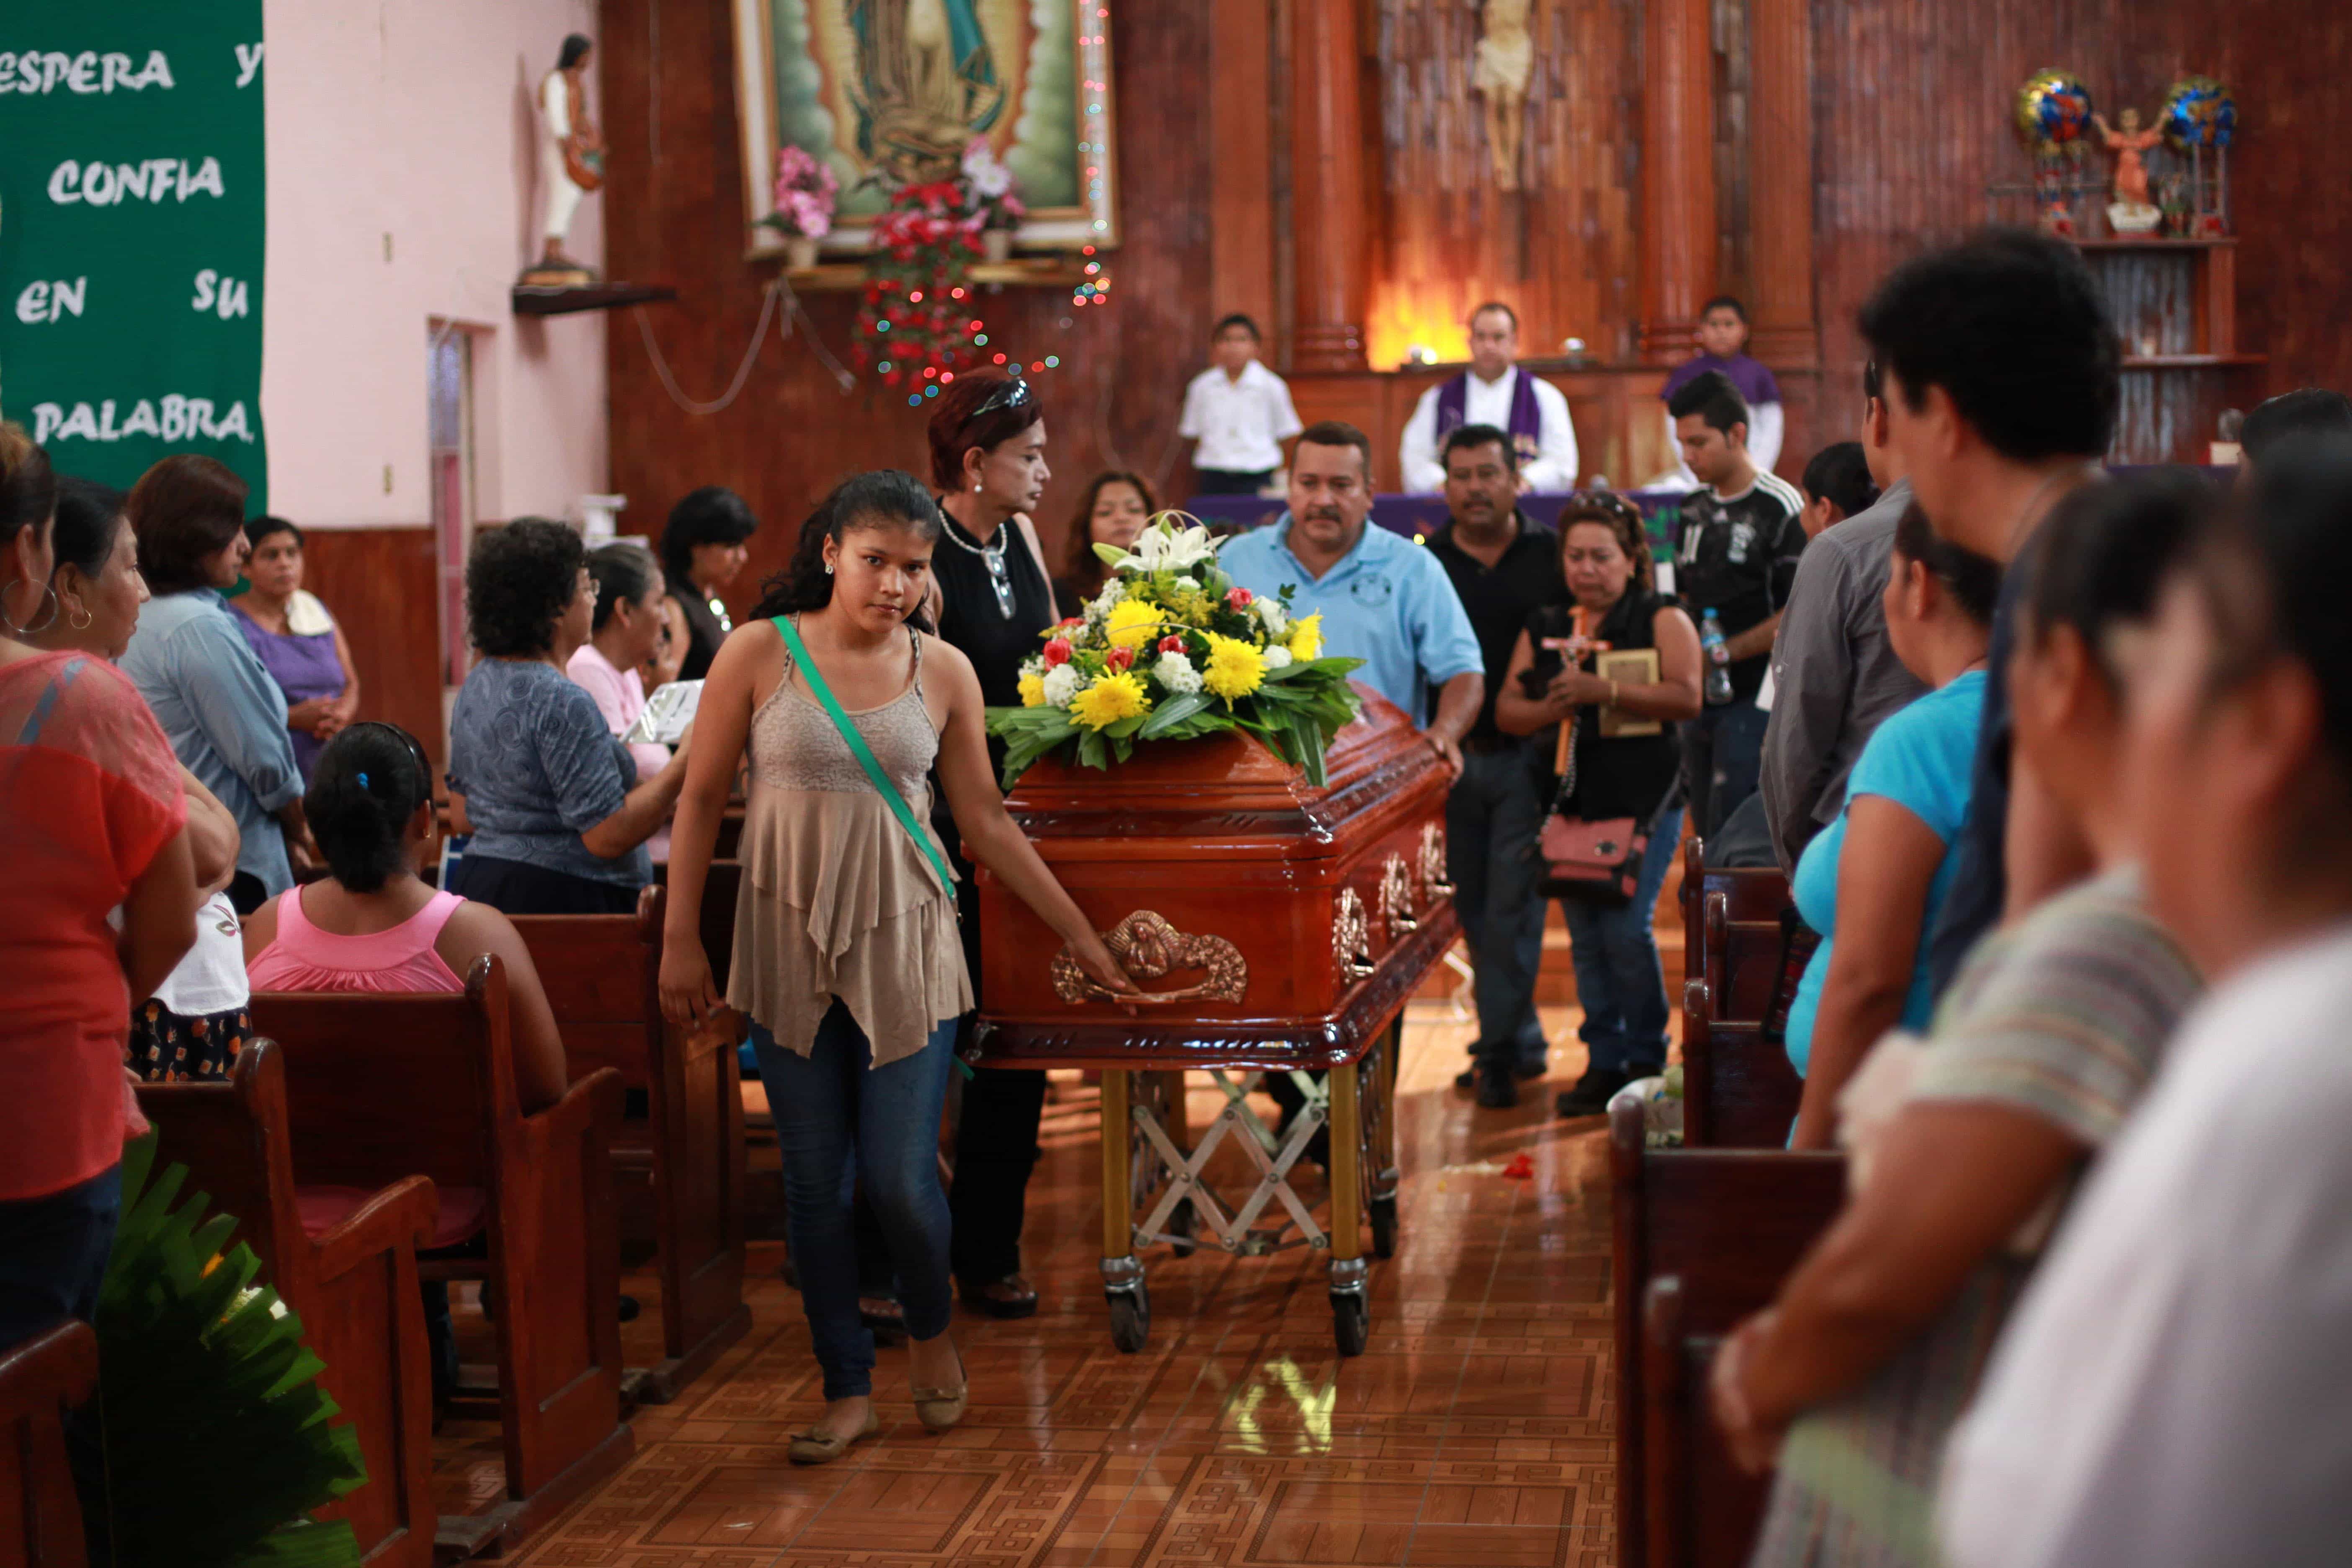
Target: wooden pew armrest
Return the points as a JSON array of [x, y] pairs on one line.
[[402, 1214], [591, 1103]]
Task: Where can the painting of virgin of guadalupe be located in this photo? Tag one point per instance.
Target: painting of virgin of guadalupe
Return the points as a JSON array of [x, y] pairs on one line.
[[892, 92]]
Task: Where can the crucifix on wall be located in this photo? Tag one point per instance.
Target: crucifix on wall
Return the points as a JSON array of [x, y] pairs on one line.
[[1505, 62]]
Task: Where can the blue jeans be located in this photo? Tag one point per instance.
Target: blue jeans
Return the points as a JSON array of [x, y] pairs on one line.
[[845, 1125], [1492, 819], [1723, 754], [1618, 982]]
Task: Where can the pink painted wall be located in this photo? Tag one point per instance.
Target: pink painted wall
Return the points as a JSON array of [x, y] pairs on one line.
[[412, 120]]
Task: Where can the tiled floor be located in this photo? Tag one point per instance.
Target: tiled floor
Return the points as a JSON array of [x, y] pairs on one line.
[[1474, 1431]]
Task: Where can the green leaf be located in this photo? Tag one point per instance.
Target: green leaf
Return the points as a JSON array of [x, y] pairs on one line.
[[1173, 712], [1092, 752], [1109, 555], [1127, 726]]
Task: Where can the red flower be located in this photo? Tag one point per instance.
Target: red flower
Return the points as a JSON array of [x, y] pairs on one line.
[[1239, 597], [1120, 658], [1171, 644], [1071, 620], [1057, 652]]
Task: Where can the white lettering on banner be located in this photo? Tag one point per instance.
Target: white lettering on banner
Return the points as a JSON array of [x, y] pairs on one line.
[[248, 60], [88, 72], [170, 418], [152, 179], [226, 294], [51, 301]]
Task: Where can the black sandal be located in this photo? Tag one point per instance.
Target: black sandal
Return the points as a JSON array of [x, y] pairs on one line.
[[885, 1318], [1006, 1298]]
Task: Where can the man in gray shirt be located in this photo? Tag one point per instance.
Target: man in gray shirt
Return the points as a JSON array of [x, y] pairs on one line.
[[1834, 676]]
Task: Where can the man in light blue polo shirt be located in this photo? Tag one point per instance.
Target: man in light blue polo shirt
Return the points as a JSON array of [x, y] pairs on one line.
[[1383, 598]]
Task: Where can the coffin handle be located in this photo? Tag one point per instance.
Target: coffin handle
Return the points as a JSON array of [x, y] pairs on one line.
[[1146, 949]]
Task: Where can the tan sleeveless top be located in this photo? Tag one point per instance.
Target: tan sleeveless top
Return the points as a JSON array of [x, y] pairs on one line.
[[836, 900]]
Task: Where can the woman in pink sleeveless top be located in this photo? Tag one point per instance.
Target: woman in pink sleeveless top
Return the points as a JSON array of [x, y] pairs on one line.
[[374, 925]]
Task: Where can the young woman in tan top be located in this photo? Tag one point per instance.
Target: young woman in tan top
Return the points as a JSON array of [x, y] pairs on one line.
[[846, 958]]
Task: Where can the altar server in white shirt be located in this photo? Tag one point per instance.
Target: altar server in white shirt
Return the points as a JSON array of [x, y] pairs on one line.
[[1493, 391], [1240, 414], [2175, 1387]]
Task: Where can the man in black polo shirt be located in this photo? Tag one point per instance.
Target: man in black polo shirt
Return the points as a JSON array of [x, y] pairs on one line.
[[1502, 565], [1735, 554]]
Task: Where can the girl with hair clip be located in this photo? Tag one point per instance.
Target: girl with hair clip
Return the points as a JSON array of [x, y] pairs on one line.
[[847, 961]]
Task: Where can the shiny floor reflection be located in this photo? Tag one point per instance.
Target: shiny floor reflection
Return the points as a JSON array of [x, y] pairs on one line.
[[1474, 1431]]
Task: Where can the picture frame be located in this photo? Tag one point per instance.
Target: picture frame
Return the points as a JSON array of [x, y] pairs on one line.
[[876, 91]]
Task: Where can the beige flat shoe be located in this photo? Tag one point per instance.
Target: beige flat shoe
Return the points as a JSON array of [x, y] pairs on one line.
[[823, 1447], [940, 1408]]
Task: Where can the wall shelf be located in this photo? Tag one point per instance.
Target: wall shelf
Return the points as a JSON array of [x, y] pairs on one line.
[[2192, 362], [1021, 272], [2152, 242], [590, 297]]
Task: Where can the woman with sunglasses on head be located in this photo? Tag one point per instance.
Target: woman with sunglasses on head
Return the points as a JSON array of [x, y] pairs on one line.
[[558, 815], [195, 1023], [995, 602]]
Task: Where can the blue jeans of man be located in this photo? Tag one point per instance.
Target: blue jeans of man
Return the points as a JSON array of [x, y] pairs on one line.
[[53, 1255], [1492, 818], [845, 1124], [1618, 982], [1723, 755]]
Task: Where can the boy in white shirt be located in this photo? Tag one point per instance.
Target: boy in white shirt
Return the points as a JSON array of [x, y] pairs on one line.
[[1240, 414]]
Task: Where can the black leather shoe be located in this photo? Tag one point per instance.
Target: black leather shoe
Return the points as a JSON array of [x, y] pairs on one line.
[[1467, 1078], [1528, 1072], [1497, 1088], [1591, 1095]]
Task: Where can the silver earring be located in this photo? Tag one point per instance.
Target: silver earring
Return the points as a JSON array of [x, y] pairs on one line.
[[29, 631], [828, 569]]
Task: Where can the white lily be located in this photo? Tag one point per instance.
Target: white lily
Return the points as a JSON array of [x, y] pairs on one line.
[[1162, 547]]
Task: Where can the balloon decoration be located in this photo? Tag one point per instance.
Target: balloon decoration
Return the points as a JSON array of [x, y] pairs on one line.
[[2199, 112], [2053, 111]]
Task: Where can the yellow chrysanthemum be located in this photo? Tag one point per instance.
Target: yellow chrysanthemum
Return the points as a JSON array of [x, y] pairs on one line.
[[1108, 700], [1306, 638], [1234, 669], [1132, 624], [1032, 690]]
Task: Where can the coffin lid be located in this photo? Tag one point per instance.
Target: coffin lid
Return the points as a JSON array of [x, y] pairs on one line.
[[1229, 794]]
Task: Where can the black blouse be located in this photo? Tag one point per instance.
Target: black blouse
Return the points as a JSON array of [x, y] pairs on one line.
[[1631, 775], [704, 629], [972, 619]]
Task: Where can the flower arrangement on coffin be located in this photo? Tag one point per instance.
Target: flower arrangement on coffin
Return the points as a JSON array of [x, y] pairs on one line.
[[1173, 650], [805, 193], [915, 325], [988, 191]]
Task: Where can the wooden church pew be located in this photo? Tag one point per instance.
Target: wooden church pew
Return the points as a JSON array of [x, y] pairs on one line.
[[1739, 949], [1739, 1092], [602, 974], [385, 1086], [351, 1278], [40, 1516], [1728, 1225]]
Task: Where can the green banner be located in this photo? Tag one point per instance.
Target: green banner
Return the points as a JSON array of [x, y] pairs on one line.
[[132, 201]]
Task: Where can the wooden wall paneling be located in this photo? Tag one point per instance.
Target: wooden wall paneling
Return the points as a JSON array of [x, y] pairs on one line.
[[1327, 186], [382, 585], [1781, 175], [1561, 248], [2295, 251], [1241, 173], [1678, 202], [674, 214]]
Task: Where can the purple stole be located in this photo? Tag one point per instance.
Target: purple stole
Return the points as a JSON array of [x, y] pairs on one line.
[[1526, 428]]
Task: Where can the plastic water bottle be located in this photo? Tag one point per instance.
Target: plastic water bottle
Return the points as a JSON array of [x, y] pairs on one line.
[[1718, 672]]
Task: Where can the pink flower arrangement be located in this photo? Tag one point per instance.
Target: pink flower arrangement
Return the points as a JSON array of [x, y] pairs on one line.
[[805, 190], [988, 188]]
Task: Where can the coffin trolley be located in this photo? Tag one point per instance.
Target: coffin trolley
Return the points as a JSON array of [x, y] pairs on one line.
[[1274, 929]]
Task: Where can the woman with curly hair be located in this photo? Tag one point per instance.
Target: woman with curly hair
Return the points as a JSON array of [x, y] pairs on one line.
[[847, 960], [559, 817], [1612, 600]]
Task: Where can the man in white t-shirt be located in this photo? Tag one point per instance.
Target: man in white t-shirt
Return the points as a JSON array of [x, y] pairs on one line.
[[1240, 414], [1495, 392]]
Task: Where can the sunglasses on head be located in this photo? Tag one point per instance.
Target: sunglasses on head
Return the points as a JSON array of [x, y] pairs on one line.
[[1606, 500], [1014, 393]]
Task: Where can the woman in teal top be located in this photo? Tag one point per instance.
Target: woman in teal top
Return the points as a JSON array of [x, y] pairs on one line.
[[1904, 804]]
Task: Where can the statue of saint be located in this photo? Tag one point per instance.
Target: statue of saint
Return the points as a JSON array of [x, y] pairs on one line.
[[1505, 63], [2132, 212], [927, 84], [571, 159]]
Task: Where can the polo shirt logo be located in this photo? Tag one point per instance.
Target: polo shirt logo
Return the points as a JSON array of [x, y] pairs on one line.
[[1373, 591]]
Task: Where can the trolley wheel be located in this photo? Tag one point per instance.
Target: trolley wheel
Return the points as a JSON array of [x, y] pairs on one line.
[[1131, 1317], [1351, 1321], [1383, 1213], [1182, 1224]]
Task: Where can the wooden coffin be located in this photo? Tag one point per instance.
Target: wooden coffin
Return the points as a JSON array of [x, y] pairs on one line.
[[1275, 924]]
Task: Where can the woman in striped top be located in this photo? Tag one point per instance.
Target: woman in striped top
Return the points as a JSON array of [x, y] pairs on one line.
[[1965, 1147]]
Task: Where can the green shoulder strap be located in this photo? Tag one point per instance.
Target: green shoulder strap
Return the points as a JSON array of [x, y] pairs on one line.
[[865, 755]]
